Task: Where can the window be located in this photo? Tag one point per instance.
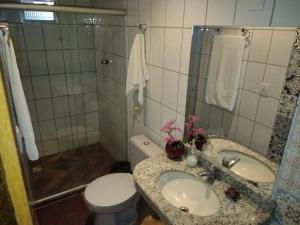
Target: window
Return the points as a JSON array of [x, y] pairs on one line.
[[37, 15]]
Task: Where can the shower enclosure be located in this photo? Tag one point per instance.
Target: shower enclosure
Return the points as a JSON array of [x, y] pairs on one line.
[[73, 72]]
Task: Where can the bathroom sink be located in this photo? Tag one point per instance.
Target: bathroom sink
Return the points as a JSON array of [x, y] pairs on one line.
[[248, 167], [188, 193]]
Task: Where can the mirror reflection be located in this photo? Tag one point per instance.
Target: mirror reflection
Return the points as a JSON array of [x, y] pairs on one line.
[[236, 82]]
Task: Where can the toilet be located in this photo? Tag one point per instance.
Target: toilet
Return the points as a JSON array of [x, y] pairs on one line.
[[113, 197]]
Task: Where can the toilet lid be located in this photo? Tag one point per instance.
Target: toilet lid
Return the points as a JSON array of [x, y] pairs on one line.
[[110, 190]]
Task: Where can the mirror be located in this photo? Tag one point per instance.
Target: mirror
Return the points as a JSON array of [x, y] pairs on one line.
[[237, 86]]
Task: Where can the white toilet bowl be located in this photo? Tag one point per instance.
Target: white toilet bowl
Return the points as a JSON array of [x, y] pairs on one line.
[[113, 197]]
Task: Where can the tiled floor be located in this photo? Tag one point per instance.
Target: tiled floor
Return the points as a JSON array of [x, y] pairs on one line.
[[69, 169]]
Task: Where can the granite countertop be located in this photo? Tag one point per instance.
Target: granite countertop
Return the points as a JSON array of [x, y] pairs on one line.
[[222, 144], [146, 175]]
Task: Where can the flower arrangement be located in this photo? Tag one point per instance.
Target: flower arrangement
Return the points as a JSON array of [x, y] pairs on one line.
[[189, 125], [193, 132], [174, 147], [169, 128]]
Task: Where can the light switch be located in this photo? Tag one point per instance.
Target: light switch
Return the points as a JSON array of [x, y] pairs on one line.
[[264, 89], [255, 5]]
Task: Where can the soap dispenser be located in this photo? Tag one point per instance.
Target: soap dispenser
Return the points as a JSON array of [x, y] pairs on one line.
[[207, 148], [191, 159]]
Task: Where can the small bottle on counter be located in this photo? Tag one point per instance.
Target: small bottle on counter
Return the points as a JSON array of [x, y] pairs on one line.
[[207, 148], [191, 159]]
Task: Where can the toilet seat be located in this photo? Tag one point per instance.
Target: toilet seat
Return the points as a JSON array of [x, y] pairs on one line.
[[110, 190]]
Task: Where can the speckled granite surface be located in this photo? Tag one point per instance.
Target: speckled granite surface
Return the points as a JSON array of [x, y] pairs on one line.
[[146, 176], [218, 145]]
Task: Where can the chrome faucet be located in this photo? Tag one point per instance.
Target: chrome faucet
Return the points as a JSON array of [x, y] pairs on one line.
[[230, 162], [209, 175]]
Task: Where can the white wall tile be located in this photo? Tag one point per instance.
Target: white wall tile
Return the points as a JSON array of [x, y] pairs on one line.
[[220, 12], [158, 13], [69, 36], [167, 114], [33, 36], [50, 147], [37, 62], [173, 37], [154, 116], [92, 121], [261, 139], [47, 129], [74, 83], [52, 36], [87, 60], [65, 143], [275, 76], [267, 109], [61, 106], [195, 12], [85, 36], [254, 76], [260, 44], [23, 64], [144, 11], [89, 82], [157, 46], [76, 104], [55, 61], [93, 137], [247, 14], [244, 131], [170, 88], [63, 127], [281, 46], [28, 90], [248, 106], [72, 62], [186, 50], [32, 111], [44, 109], [175, 10], [58, 85], [41, 87], [90, 102], [133, 12], [156, 81]]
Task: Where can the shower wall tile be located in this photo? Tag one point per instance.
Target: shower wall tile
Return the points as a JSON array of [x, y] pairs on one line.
[[41, 87], [44, 109], [63, 127], [85, 36], [52, 36], [48, 130], [37, 62], [61, 106], [65, 143], [33, 36], [69, 36], [76, 104], [55, 61], [58, 85], [23, 64], [87, 60], [27, 86], [51, 146], [72, 61]]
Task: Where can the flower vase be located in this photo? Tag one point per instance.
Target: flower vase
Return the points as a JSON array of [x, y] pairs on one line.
[[175, 150]]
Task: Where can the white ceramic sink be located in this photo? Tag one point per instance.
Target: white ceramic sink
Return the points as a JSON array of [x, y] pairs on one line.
[[188, 193], [248, 167]]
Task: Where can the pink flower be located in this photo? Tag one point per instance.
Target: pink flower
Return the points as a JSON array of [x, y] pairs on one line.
[[193, 118], [169, 128]]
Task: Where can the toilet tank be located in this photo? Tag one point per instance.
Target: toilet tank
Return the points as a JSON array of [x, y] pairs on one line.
[[140, 148]]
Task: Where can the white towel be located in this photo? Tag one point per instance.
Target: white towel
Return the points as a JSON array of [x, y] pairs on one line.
[[20, 104], [137, 73], [225, 70]]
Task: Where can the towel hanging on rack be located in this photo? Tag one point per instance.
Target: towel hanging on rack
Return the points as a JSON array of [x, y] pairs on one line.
[[137, 73]]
